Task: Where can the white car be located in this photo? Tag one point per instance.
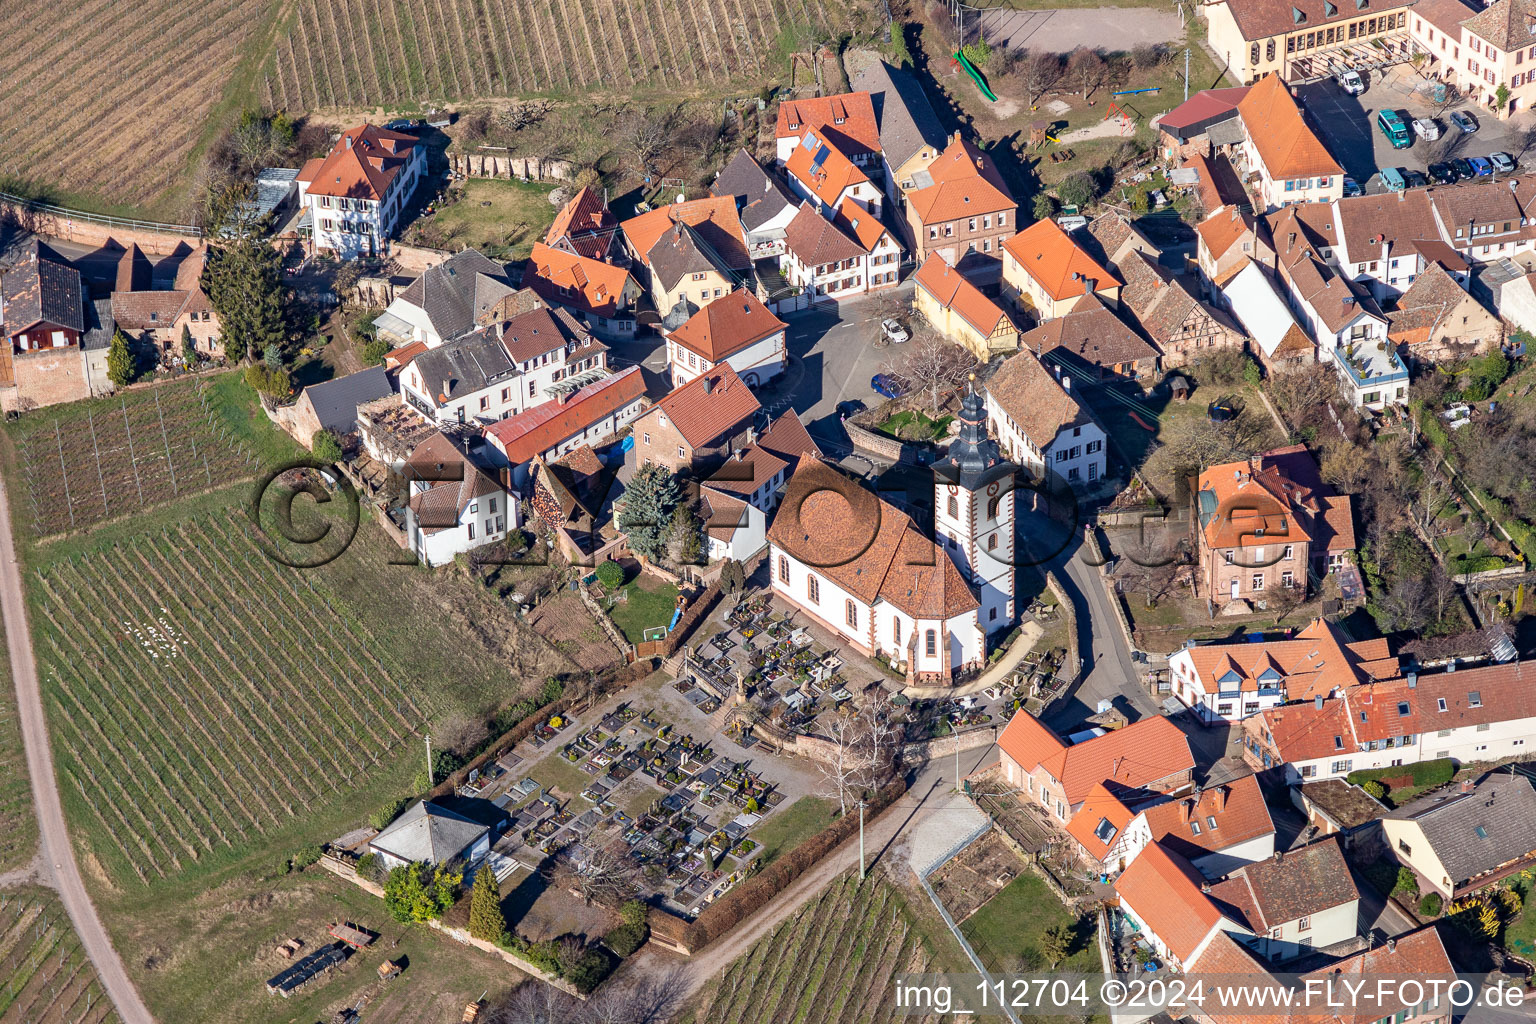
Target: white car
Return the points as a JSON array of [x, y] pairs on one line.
[[1426, 128], [1351, 82], [894, 332]]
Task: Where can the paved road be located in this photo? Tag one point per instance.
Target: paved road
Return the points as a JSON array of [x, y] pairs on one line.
[[57, 866]]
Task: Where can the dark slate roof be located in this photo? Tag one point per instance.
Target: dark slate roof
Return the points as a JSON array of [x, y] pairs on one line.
[[759, 195], [468, 365], [335, 401], [1474, 831], [906, 118], [683, 250], [40, 288], [459, 289], [99, 325]]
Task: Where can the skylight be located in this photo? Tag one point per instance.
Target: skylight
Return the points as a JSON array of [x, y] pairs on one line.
[[1441, 704], [1105, 831], [1402, 707], [1475, 699], [1482, 833]]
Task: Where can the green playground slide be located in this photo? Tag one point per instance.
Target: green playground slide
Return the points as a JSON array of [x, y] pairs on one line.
[[970, 69]]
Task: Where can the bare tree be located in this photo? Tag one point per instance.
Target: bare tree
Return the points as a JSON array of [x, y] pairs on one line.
[[1428, 501], [1087, 69], [1202, 442], [1300, 390], [601, 875], [523, 115], [651, 998], [861, 750], [1038, 71], [1151, 566], [534, 1002], [644, 133], [930, 363]]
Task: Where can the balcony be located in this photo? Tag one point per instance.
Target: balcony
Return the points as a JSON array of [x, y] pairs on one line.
[[1370, 363]]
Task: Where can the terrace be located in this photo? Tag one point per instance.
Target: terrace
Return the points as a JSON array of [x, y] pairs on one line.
[[1376, 376]]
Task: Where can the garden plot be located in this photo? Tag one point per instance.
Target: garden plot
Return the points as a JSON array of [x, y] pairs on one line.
[[966, 882], [87, 462], [47, 977], [245, 697]]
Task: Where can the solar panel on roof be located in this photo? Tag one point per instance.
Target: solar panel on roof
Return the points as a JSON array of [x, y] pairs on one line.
[[819, 159]]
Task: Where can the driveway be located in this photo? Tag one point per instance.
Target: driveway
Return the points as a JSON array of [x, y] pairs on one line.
[[1062, 31]]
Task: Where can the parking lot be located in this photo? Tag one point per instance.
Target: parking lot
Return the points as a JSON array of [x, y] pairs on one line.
[[1348, 126]]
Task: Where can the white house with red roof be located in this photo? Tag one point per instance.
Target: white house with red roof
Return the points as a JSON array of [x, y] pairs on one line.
[[353, 196], [733, 529], [757, 473], [1171, 906], [824, 176], [847, 120], [850, 255], [589, 416], [452, 507], [601, 294], [736, 329]]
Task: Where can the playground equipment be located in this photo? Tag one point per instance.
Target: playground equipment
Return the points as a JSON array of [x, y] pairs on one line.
[[1127, 121], [1137, 92], [961, 61]]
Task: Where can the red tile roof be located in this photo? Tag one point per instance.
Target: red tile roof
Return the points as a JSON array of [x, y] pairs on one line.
[[361, 165], [820, 167], [585, 224], [1278, 492], [1050, 256], [864, 226], [1303, 882], [965, 184], [727, 325], [711, 406], [715, 219], [817, 241], [537, 430], [847, 120], [1315, 662], [951, 290], [1236, 807], [591, 286], [1135, 757], [1099, 822], [1278, 131], [1203, 106], [1164, 891]]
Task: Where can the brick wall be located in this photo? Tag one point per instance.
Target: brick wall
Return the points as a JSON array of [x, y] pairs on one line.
[[47, 377]]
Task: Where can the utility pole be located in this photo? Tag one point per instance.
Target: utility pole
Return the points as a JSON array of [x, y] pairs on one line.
[[1186, 74], [861, 839], [429, 760], [957, 761]]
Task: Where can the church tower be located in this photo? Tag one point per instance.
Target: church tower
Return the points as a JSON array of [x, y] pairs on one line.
[[973, 504]]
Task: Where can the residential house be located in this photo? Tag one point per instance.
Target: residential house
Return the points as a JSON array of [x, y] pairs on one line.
[[1292, 163], [764, 204], [590, 415], [504, 369], [1479, 50], [354, 196], [1437, 321], [584, 227], [427, 833], [960, 205], [1150, 756], [601, 295], [1169, 904], [960, 312], [846, 120], [1268, 524], [911, 137], [1110, 238], [848, 256], [1227, 681], [1169, 312], [1305, 39], [757, 473], [736, 329], [1293, 903], [699, 424], [1046, 272], [573, 496], [733, 529], [1227, 240], [824, 176], [689, 252], [1465, 837], [1279, 342], [156, 317], [332, 404], [1092, 343], [1387, 241], [1185, 131], [466, 291], [1216, 829], [1477, 714], [861, 569], [1516, 302], [42, 307], [1040, 423], [452, 506], [1484, 220]]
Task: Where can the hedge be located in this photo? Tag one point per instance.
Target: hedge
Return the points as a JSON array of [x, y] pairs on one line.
[[1423, 773], [750, 896]]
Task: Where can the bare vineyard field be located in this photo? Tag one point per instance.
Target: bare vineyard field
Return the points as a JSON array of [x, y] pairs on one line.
[[127, 94], [833, 960], [213, 698], [45, 977], [348, 53], [88, 462]]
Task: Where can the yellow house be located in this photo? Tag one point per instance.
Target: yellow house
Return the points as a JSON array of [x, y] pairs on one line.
[[1480, 50], [1045, 272], [1303, 38], [694, 251], [958, 310]]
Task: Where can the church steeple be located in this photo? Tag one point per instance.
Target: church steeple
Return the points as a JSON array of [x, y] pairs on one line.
[[972, 454]]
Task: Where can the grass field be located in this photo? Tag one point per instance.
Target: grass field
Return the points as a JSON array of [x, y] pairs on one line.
[[650, 602], [793, 825], [832, 961], [502, 217], [45, 977], [18, 825], [1006, 931], [87, 462]]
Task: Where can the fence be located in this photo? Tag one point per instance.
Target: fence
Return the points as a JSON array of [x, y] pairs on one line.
[[49, 210], [938, 904]]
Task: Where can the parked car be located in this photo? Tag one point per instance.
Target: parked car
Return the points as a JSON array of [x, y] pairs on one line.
[[1352, 187], [893, 331], [1394, 128], [1464, 121], [1462, 168], [850, 407], [1426, 128], [1480, 166], [1502, 162], [1414, 179], [1351, 82], [1442, 174], [1392, 179], [886, 386]]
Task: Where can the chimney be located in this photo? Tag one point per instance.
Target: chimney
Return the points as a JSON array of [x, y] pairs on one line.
[[751, 436], [1466, 785], [957, 135], [1221, 798], [709, 385], [1292, 243], [1413, 680], [349, 141], [445, 387], [1066, 384], [1279, 855], [564, 396], [741, 453], [1391, 945], [978, 163], [1186, 810], [1317, 702], [1205, 887], [1090, 285]]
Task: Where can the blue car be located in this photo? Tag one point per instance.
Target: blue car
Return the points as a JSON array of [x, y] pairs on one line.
[[1480, 165], [886, 386]]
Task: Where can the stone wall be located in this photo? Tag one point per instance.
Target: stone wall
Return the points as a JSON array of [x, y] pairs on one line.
[[48, 377], [59, 224], [501, 165]]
